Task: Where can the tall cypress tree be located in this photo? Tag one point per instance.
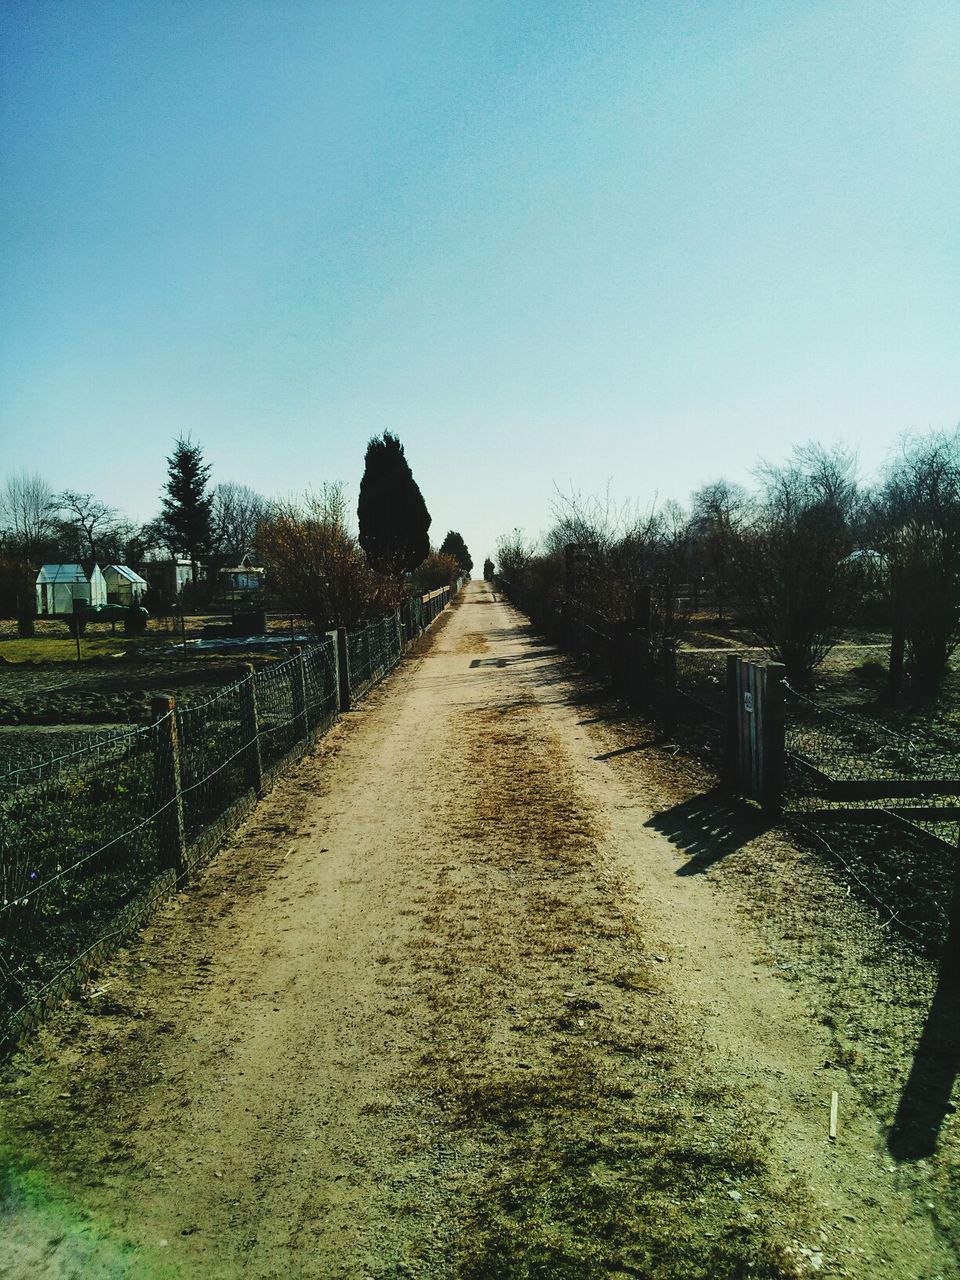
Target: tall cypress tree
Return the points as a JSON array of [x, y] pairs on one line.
[[393, 517], [185, 518], [454, 545]]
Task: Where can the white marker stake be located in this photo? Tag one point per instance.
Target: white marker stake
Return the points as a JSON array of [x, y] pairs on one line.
[[834, 1104]]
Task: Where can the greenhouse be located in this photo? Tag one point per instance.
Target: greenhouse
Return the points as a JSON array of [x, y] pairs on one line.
[[60, 586]]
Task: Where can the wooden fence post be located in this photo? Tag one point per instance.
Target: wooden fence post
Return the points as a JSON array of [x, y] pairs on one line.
[[298, 675], [642, 609], [951, 946], [396, 614], [898, 644], [669, 660], [773, 740], [731, 724], [250, 732], [171, 837], [336, 667], [621, 657], [343, 668]]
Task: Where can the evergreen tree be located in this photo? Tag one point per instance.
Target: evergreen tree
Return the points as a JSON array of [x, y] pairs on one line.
[[185, 519], [393, 517], [488, 570], [454, 545]]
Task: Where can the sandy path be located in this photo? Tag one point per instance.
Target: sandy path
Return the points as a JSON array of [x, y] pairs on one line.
[[444, 1007]]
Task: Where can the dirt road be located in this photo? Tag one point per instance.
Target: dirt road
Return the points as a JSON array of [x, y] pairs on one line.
[[445, 1008]]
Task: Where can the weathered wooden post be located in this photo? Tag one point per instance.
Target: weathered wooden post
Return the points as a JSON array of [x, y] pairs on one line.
[[950, 963], [642, 609], [250, 731], [621, 657], [669, 667], [336, 668], [343, 668], [298, 688], [731, 737], [898, 645], [774, 734], [168, 798], [399, 624], [640, 644]]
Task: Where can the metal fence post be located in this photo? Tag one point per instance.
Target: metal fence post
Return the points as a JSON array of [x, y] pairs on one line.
[[298, 676], [343, 668], [771, 784], [399, 627], [250, 732], [171, 836]]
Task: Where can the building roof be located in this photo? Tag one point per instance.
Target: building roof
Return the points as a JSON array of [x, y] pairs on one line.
[[61, 573], [124, 571]]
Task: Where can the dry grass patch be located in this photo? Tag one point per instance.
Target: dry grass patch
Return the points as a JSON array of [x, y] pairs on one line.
[[582, 1134]]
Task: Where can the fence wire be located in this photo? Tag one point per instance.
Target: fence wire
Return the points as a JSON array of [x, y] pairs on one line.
[[881, 805], [371, 653], [77, 844], [84, 835]]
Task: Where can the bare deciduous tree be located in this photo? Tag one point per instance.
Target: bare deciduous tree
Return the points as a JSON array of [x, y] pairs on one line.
[[718, 511], [919, 525], [90, 521], [237, 512], [28, 508], [514, 553], [795, 585]]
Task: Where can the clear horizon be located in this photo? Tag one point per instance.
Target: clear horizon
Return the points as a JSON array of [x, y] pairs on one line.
[[566, 246]]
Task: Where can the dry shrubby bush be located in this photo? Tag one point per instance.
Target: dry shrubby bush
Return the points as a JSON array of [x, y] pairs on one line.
[[595, 559], [796, 584], [805, 555], [438, 570], [316, 565]]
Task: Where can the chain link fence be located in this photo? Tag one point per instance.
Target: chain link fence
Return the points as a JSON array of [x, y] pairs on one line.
[[92, 838]]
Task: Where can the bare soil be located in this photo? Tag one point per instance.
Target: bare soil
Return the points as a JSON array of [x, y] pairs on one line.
[[492, 985]]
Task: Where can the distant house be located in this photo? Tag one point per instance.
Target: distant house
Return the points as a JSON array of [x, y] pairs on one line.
[[242, 580], [60, 586], [169, 576], [123, 585]]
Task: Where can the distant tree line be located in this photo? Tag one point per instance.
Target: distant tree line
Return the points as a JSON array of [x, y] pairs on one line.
[[315, 564], [807, 552]]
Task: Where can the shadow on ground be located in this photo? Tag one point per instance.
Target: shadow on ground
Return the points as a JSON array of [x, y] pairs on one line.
[[707, 828], [925, 1102]]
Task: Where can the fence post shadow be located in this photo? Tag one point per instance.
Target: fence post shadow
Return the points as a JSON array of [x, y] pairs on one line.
[[925, 1101], [708, 827]]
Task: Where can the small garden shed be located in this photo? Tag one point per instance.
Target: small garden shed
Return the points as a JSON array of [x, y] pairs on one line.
[[123, 585], [59, 586], [171, 575], [243, 580]]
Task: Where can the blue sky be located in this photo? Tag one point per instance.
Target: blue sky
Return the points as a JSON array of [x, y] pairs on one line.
[[574, 245]]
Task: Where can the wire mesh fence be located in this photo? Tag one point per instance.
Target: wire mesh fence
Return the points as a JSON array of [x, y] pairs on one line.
[[846, 761], [78, 843], [91, 838], [372, 652], [881, 804]]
